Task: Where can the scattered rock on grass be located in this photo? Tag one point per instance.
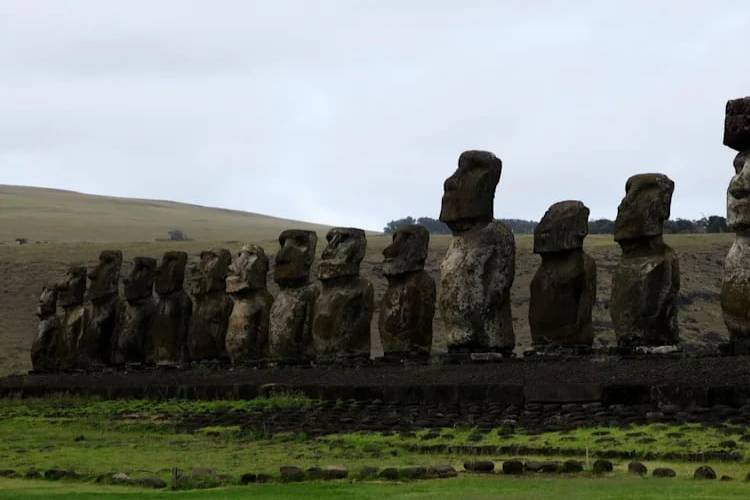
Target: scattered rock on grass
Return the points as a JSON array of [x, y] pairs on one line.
[[664, 472], [726, 478], [367, 472], [704, 472], [291, 473], [637, 468], [8, 473], [602, 466], [441, 471], [56, 474], [480, 466], [513, 467], [389, 473], [572, 466], [413, 472], [248, 478], [151, 482], [204, 473]]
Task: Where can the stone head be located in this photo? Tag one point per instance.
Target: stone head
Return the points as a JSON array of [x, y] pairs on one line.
[[644, 208], [295, 257], [343, 254], [105, 277], [563, 227], [211, 273], [407, 251], [469, 194], [71, 290], [139, 283], [248, 271], [47, 302], [737, 124], [171, 273]]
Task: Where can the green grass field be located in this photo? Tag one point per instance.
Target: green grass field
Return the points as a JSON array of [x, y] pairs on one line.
[[143, 438]]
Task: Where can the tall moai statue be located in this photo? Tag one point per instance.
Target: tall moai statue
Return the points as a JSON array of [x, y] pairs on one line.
[[44, 350], [211, 306], [103, 302], [70, 295], [247, 333], [735, 288], [408, 304], [166, 343], [290, 338], [343, 311], [479, 267], [563, 290], [646, 282], [136, 313]]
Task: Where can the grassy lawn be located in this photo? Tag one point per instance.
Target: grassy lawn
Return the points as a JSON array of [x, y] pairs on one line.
[[496, 487]]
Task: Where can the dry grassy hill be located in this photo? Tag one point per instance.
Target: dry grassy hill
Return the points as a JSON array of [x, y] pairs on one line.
[[76, 227], [54, 215]]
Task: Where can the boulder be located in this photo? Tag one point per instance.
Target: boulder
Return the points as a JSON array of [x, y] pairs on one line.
[[637, 468], [480, 466], [602, 466], [704, 472], [513, 467], [664, 472]]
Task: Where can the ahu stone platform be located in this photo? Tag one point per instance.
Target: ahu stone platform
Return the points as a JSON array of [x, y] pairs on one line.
[[675, 382]]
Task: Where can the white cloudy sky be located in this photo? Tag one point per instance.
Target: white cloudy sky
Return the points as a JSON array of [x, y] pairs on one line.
[[354, 112]]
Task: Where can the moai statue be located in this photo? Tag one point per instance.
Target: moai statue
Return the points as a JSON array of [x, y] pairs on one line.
[[70, 295], [166, 343], [211, 306], [408, 304], [290, 338], [44, 353], [646, 282], [136, 314], [735, 289], [343, 310], [563, 290], [95, 346], [479, 267], [247, 334]]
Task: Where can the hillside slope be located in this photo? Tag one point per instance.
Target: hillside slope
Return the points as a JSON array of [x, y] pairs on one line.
[[40, 214]]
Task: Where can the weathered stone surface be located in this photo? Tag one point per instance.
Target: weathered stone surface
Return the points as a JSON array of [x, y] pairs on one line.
[[44, 350], [479, 267], [482, 466], [563, 290], [70, 297], [737, 124], [637, 468], [343, 310], [513, 467], [646, 282], [136, 313], [408, 304], [476, 276], [602, 466], [735, 289], [664, 472], [166, 342], [290, 337], [211, 306], [103, 309], [247, 332], [291, 473]]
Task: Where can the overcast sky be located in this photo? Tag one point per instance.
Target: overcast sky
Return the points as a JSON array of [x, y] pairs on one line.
[[354, 112]]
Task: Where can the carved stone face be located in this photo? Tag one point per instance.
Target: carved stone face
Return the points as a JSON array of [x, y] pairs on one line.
[[644, 209], [171, 273], [408, 251], [295, 257], [343, 253], [47, 302], [248, 271], [210, 275], [470, 192], [140, 282], [738, 195], [737, 124], [71, 290], [105, 277], [563, 227]]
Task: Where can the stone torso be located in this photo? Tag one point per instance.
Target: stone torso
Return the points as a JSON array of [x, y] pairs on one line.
[[735, 293], [290, 335], [343, 313], [645, 288], [133, 327], [95, 345], [208, 329], [167, 339], [476, 276], [563, 292], [247, 333], [406, 312], [44, 351]]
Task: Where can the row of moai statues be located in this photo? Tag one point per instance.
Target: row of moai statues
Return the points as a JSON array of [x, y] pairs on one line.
[[229, 314]]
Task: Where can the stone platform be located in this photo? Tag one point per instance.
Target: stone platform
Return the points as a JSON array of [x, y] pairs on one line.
[[677, 381]]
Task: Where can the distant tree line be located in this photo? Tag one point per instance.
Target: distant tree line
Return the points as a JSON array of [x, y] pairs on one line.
[[711, 224]]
